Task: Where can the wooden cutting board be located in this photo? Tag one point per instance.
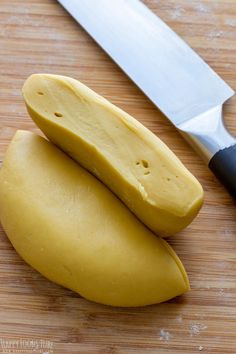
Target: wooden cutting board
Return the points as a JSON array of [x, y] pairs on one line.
[[37, 316]]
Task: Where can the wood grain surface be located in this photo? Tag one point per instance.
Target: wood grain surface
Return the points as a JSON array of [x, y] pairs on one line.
[[39, 36]]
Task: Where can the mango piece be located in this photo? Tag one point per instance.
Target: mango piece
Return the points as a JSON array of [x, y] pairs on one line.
[[137, 166], [72, 229]]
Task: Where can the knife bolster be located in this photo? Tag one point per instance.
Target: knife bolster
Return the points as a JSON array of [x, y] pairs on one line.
[[207, 133]]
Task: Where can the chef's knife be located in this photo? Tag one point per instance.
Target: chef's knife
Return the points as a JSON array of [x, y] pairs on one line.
[[168, 71]]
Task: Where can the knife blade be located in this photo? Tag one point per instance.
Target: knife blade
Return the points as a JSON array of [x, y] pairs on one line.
[[168, 71]]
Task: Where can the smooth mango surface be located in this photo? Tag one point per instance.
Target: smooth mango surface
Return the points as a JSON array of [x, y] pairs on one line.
[[66, 224], [136, 165]]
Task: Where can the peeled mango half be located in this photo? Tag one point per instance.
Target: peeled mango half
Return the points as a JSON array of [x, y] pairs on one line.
[[66, 224], [136, 165]]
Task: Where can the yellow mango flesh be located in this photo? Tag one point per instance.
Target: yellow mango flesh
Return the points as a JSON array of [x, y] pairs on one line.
[[136, 165], [66, 224]]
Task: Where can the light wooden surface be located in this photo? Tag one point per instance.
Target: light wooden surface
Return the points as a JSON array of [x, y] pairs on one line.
[[39, 36]]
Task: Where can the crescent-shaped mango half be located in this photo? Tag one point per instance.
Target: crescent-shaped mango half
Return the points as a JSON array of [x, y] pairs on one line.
[[67, 225], [127, 157]]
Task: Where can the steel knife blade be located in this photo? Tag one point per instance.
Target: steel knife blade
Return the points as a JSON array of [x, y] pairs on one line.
[[168, 71]]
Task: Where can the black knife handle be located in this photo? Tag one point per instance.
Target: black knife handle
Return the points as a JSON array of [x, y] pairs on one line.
[[223, 165]]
